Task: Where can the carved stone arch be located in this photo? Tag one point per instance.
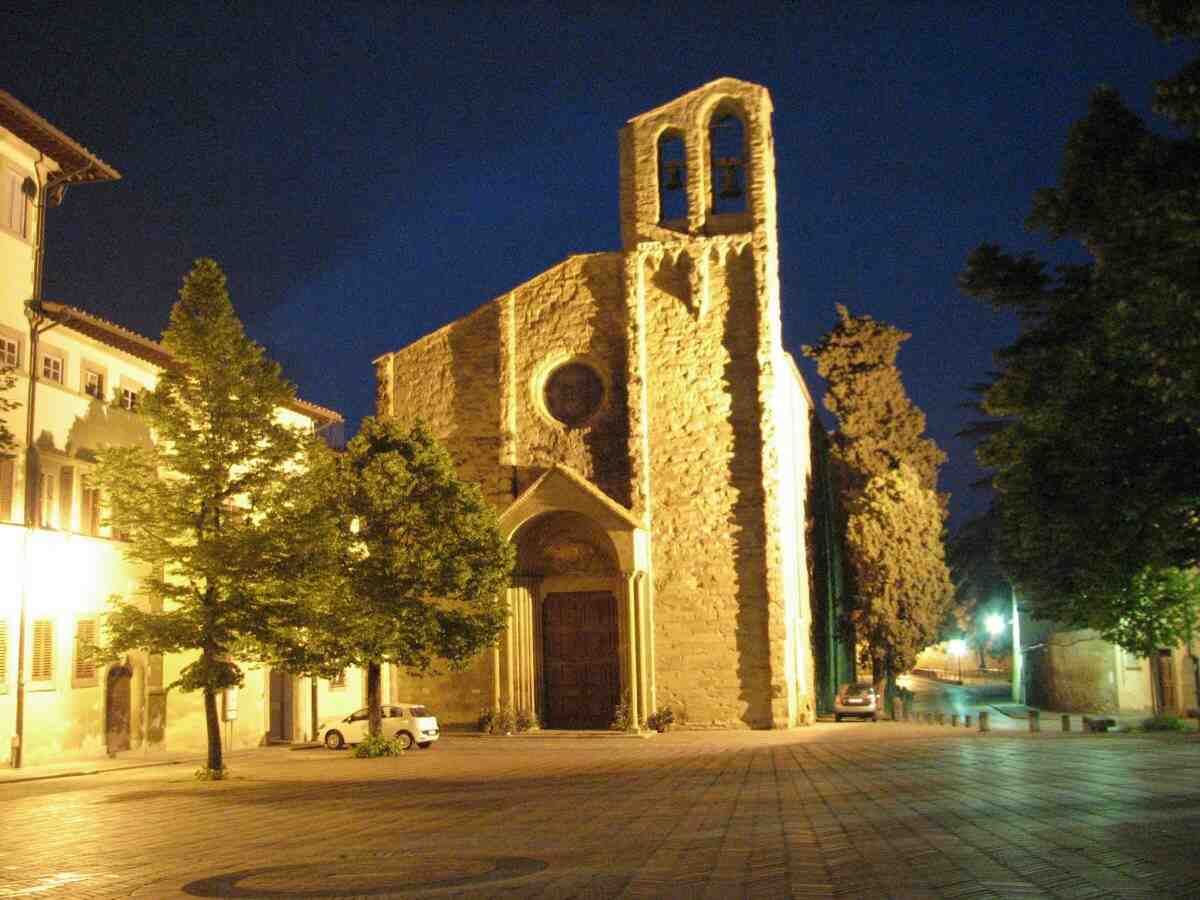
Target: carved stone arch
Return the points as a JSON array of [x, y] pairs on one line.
[[672, 177], [725, 127]]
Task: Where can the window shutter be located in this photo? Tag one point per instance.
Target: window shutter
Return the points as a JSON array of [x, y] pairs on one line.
[[6, 489], [66, 496], [3, 654], [85, 639], [43, 651]]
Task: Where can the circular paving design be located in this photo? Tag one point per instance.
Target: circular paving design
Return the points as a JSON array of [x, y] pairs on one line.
[[364, 876]]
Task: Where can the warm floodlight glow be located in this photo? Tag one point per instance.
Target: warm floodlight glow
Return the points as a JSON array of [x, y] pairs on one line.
[[957, 647], [995, 624]]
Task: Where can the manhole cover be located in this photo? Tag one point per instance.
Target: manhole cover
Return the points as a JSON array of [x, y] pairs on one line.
[[363, 877]]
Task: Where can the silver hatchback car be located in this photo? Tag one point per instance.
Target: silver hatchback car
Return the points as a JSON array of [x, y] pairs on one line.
[[856, 700]]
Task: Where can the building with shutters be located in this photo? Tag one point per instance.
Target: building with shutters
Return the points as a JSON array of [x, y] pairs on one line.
[[77, 379], [647, 440]]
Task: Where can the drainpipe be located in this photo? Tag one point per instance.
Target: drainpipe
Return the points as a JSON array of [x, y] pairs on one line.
[[51, 193]]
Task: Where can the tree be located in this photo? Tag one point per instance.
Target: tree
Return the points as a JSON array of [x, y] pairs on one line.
[[1096, 405], [894, 545], [979, 584], [887, 471], [199, 506], [422, 565]]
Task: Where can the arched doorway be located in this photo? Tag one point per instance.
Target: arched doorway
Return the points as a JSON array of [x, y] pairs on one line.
[[118, 708], [573, 564]]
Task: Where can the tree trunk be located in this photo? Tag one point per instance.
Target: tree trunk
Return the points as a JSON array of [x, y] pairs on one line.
[[215, 761], [374, 700], [878, 678]]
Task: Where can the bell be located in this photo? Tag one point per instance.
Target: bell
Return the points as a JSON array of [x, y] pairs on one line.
[[730, 189], [674, 175]]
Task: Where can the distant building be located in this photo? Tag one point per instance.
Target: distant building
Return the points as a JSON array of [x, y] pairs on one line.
[[635, 419], [60, 564]]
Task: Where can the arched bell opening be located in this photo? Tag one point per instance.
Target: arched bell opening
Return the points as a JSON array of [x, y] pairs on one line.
[[672, 180], [727, 182]]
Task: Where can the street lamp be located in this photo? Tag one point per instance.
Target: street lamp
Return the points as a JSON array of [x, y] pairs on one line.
[[995, 624], [958, 648]]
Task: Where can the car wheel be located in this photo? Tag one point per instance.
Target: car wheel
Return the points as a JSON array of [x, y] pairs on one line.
[[334, 740], [875, 717], [405, 739], [425, 745], [836, 717]]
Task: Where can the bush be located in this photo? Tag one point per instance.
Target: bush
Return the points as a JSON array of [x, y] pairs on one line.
[[204, 773], [524, 720], [1164, 723], [660, 720], [486, 718], [504, 721], [374, 746], [622, 720]]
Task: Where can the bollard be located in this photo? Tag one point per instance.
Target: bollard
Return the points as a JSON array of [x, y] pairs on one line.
[[954, 720], [984, 723], [897, 709], [1066, 722], [967, 721], [1035, 721]]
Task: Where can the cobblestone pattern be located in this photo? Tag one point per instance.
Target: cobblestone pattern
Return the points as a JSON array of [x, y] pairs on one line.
[[834, 811]]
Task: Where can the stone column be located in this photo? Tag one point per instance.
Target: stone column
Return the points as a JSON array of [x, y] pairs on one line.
[[629, 618]]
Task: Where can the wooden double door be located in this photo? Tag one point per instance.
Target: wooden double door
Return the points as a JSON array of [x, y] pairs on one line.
[[580, 663]]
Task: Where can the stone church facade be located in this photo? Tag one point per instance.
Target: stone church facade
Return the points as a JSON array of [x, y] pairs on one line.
[[645, 437]]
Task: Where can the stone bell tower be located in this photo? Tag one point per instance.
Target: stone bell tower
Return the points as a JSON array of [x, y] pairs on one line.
[[715, 411]]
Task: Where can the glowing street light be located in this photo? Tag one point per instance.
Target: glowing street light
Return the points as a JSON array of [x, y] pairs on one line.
[[995, 624]]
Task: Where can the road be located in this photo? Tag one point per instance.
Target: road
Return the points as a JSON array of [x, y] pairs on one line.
[[930, 695], [835, 810]]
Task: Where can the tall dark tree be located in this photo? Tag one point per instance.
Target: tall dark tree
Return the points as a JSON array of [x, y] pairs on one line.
[[421, 567], [1097, 402], [199, 505], [887, 470]]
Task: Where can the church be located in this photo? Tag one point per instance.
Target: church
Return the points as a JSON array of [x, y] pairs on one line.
[[648, 444]]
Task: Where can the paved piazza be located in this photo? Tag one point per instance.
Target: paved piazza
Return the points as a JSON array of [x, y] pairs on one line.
[[856, 810]]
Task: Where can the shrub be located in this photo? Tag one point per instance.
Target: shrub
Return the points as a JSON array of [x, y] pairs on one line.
[[660, 720], [204, 773], [504, 721], [1164, 723], [622, 720], [524, 720], [374, 746], [486, 718]]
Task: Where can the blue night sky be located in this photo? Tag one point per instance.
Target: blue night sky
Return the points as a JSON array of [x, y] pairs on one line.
[[367, 175]]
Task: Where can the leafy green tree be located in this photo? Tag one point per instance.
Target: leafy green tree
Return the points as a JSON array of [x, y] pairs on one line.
[[422, 567], [980, 587], [887, 470], [894, 545], [1096, 405], [199, 506]]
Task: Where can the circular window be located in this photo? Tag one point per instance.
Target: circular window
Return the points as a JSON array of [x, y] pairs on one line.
[[573, 393]]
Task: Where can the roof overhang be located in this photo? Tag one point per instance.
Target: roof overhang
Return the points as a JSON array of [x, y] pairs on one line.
[[78, 164]]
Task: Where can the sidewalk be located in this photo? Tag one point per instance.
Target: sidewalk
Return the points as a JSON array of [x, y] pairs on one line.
[[128, 760]]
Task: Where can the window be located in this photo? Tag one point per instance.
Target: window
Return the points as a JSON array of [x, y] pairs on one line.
[[3, 656], [85, 646], [66, 497], [672, 178], [7, 471], [14, 202], [93, 383], [728, 158], [46, 500], [338, 681], [52, 368], [10, 352], [89, 511], [129, 398], [573, 393], [43, 651]]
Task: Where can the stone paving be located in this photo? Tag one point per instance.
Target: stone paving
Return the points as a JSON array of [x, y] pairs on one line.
[[854, 810]]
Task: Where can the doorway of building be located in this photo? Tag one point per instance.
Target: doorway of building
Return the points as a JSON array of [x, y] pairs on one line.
[[281, 707], [118, 708], [1163, 672], [580, 661]]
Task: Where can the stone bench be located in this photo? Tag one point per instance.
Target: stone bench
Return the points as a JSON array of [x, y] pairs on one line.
[[1098, 723]]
